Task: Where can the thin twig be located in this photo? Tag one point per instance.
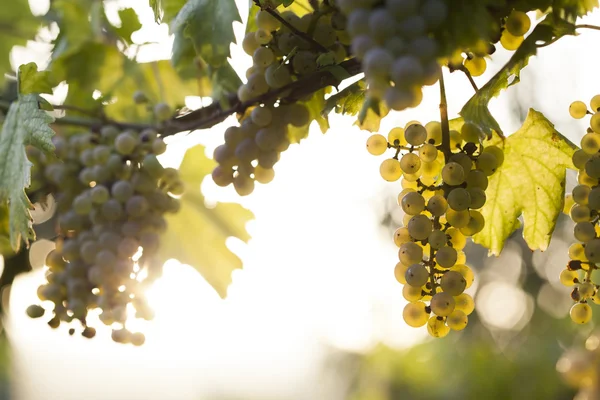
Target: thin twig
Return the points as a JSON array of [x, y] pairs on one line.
[[464, 70], [587, 26], [444, 121], [295, 30]]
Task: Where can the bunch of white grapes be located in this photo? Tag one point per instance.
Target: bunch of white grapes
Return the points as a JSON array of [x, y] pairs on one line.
[[579, 367], [440, 199], [393, 38], [583, 205], [112, 194], [280, 56]]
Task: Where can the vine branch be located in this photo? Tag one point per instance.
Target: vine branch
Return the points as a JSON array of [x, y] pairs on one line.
[[465, 71], [445, 147]]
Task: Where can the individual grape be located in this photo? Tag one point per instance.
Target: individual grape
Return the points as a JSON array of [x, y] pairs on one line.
[[470, 132], [415, 314], [584, 231], [437, 328], [266, 21], [416, 134], [595, 122], [457, 321], [595, 103], [401, 236], [243, 185], [82, 204], [125, 143], [581, 313], [586, 290], [459, 241], [121, 190], [517, 23], [137, 339], [263, 175], [277, 76], [250, 44], [442, 304], [411, 293], [476, 66], [453, 283], [475, 225], [590, 143], [377, 62], [437, 205], [390, 170], [413, 203], [568, 278], [578, 109], [162, 111], [592, 167], [464, 303], [399, 272], [576, 252], [410, 163], [428, 152], [580, 194], [592, 250], [304, 62], [437, 239], [487, 163], [420, 227], [466, 272], [459, 199], [35, 311], [377, 144], [580, 213], [410, 253], [406, 70], [417, 275], [478, 197], [446, 257], [453, 174], [458, 219], [263, 57]]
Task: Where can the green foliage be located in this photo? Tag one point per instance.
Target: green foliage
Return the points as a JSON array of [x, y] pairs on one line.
[[531, 182], [156, 9], [476, 109], [348, 101], [25, 124], [18, 26], [129, 24], [315, 106], [371, 114], [197, 233], [211, 39]]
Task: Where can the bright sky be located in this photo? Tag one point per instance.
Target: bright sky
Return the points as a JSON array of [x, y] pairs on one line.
[[318, 271]]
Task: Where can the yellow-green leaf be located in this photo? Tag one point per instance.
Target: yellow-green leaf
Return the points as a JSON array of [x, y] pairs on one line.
[[530, 182], [315, 106], [197, 233], [25, 124], [33, 81], [371, 114]]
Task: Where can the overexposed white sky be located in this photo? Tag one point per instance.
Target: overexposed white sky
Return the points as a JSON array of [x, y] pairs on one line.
[[318, 271]]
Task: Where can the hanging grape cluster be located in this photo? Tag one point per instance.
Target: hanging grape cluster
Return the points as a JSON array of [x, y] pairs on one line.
[[280, 56], [440, 201], [111, 194], [584, 209]]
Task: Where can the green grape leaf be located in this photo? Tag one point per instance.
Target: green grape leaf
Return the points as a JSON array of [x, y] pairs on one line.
[[315, 107], [197, 233], [209, 26], [157, 9], [25, 124], [476, 109], [530, 182], [33, 81], [17, 25], [129, 24], [371, 114], [348, 101]]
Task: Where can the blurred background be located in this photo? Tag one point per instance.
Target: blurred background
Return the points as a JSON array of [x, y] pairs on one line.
[[316, 312]]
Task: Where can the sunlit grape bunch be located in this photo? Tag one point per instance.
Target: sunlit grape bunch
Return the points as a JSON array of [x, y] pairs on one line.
[[112, 194], [394, 41], [440, 200], [579, 367], [584, 211]]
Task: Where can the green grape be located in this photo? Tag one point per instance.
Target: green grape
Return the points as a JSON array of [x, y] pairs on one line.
[[420, 227], [458, 219], [410, 163], [466, 272], [377, 144], [455, 139], [263, 175], [138, 339], [82, 204], [266, 21], [437, 328], [595, 122], [584, 231], [475, 225], [453, 283], [99, 194], [580, 213], [428, 153], [576, 252], [152, 166], [87, 158], [595, 103], [413, 203], [464, 161], [162, 111], [497, 152], [487, 163], [125, 143], [136, 206], [517, 23], [453, 174], [411, 293], [470, 132], [592, 250], [446, 257], [568, 278], [459, 199], [35, 311], [442, 304], [263, 36], [417, 275], [581, 313], [415, 314], [590, 143], [401, 236], [249, 43], [459, 241], [580, 194], [263, 57], [277, 76], [431, 169], [410, 253], [399, 273], [592, 167], [390, 170], [464, 303], [578, 109], [112, 210], [478, 197], [243, 185], [476, 66], [121, 336], [257, 85], [416, 134], [457, 321], [304, 62], [297, 114], [593, 200], [434, 133], [437, 239], [324, 33], [247, 150], [437, 205], [122, 190], [586, 290]]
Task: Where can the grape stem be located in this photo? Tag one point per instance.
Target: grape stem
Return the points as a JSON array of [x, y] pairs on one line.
[[296, 31], [464, 70], [445, 146]]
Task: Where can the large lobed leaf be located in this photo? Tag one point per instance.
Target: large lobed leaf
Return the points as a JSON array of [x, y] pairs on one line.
[[197, 233], [25, 124], [530, 182], [476, 109]]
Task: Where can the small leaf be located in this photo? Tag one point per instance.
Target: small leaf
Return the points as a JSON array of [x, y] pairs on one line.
[[157, 10], [315, 107], [129, 24], [209, 25], [371, 114], [197, 233], [476, 109], [348, 101], [32, 81], [25, 124], [531, 182]]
